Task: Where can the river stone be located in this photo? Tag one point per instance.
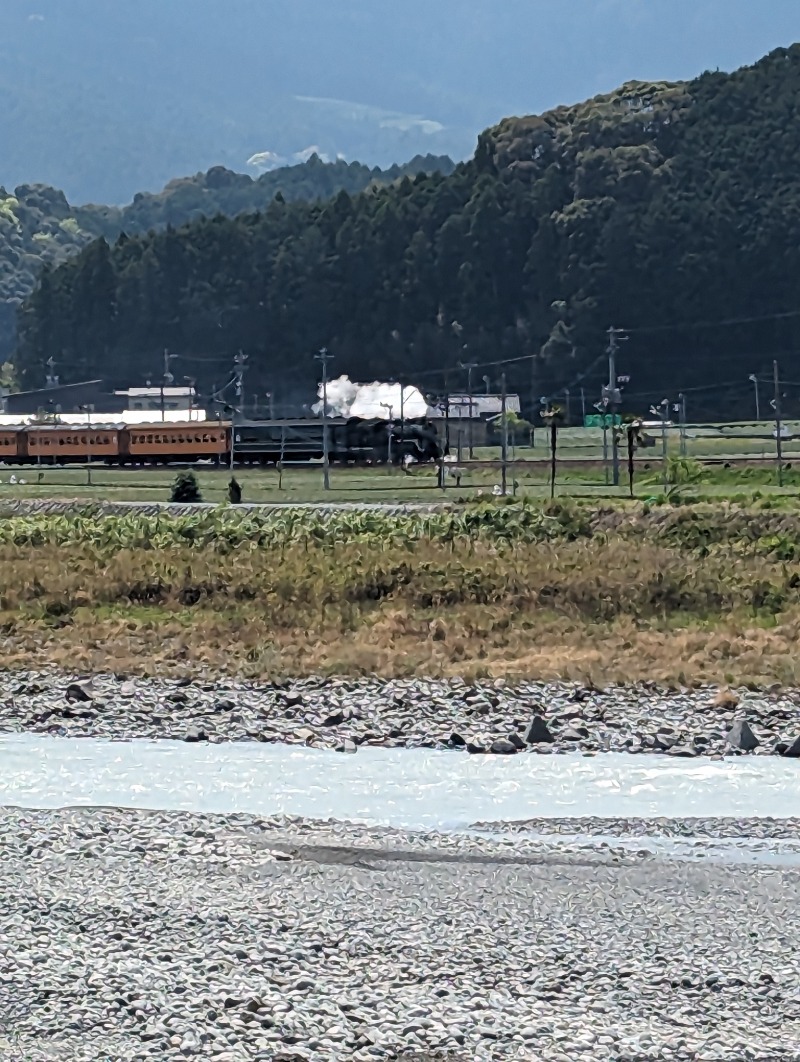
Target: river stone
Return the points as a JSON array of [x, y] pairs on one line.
[[793, 751], [79, 692], [503, 747], [538, 731], [194, 734], [740, 736], [348, 746]]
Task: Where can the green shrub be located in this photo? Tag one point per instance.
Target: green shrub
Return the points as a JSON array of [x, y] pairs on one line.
[[185, 489]]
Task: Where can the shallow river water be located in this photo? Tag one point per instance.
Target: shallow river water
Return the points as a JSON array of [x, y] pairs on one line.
[[403, 788]]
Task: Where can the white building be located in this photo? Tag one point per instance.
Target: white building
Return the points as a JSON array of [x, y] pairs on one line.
[[158, 398]]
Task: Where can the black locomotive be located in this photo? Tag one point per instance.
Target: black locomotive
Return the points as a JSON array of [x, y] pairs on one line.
[[350, 441]]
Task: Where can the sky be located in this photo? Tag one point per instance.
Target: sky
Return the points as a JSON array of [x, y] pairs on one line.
[[104, 98], [579, 48]]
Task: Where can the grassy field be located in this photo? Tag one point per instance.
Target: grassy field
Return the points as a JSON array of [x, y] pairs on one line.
[[680, 594], [528, 474]]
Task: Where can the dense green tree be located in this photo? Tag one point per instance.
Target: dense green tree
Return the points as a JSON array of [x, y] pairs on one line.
[[39, 227], [664, 209]]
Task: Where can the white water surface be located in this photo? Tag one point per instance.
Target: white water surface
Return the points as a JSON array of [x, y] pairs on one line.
[[402, 788]]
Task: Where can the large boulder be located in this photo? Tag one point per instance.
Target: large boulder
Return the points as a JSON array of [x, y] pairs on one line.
[[538, 732], [740, 736], [503, 747]]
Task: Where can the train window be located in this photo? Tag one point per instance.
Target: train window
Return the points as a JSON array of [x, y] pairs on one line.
[[180, 439]]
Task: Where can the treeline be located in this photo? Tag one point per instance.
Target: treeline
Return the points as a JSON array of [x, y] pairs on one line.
[[667, 210], [38, 226]]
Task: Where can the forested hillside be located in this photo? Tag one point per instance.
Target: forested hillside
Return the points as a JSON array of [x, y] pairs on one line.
[[39, 227], [665, 209]]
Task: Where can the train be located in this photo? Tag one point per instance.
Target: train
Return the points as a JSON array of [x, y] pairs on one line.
[[60, 444], [352, 441]]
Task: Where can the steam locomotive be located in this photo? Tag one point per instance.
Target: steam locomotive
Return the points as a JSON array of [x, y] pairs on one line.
[[350, 441]]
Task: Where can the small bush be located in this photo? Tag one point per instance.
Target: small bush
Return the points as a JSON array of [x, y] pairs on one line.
[[185, 489]]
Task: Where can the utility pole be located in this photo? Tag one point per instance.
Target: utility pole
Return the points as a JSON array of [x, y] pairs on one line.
[[682, 411], [504, 421], [469, 366], [325, 357], [166, 379], [239, 363], [52, 379], [583, 407], [390, 428], [192, 385], [754, 380], [567, 417], [662, 411], [402, 413], [602, 409], [776, 402], [88, 411], [612, 393], [238, 374]]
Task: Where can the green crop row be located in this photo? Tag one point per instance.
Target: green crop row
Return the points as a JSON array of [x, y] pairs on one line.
[[700, 528]]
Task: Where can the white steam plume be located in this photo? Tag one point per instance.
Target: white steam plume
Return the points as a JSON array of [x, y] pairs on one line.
[[375, 401]]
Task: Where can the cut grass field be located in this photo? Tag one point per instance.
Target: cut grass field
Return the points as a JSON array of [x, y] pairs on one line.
[[672, 594], [296, 485]]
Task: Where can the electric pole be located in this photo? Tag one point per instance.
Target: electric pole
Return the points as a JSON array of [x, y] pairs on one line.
[[504, 421], [238, 377], [390, 427], [239, 363], [469, 366], [682, 401], [166, 379], [754, 381], [611, 392], [776, 402], [324, 356]]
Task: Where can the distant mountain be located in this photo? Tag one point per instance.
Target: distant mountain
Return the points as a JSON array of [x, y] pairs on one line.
[[39, 227], [104, 98]]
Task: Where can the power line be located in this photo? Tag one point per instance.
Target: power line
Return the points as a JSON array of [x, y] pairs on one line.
[[688, 325]]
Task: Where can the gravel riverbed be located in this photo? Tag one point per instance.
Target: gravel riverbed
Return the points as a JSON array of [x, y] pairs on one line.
[[490, 718], [129, 935]]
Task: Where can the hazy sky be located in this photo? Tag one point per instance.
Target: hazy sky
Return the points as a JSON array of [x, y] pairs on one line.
[[578, 48], [107, 97]]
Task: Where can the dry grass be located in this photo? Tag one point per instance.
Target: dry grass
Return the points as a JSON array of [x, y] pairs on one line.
[[604, 608]]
